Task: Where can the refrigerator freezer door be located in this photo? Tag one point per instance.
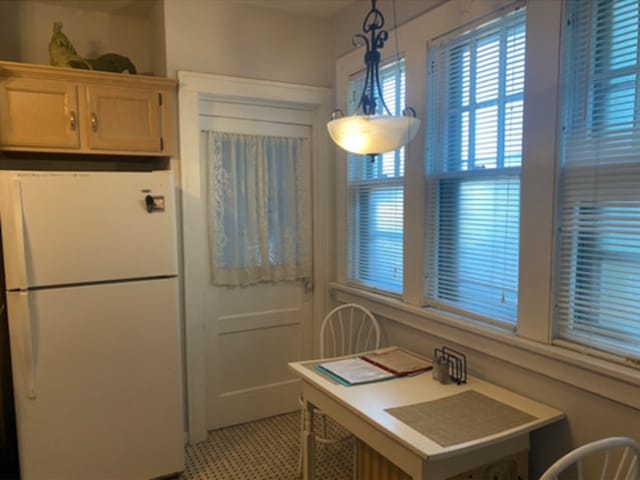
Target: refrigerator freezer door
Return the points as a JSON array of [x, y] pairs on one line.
[[81, 227], [108, 381]]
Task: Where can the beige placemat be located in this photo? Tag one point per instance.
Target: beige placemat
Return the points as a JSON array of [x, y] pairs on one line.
[[460, 418]]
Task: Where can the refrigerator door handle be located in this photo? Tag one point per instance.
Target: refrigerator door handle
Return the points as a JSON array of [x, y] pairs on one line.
[[26, 332], [20, 260]]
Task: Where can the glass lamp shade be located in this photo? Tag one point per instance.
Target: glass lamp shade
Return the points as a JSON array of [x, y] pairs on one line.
[[373, 134]]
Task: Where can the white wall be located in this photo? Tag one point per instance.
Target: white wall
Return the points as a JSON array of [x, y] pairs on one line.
[[158, 40], [26, 27], [222, 37]]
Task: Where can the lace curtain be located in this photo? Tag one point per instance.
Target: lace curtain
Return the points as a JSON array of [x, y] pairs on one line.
[[258, 208]]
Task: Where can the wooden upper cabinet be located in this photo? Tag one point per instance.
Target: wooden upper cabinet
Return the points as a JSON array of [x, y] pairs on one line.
[[124, 119], [38, 113], [50, 109]]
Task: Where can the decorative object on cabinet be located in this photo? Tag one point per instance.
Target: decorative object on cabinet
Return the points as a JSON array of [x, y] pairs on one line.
[[63, 54], [49, 109]]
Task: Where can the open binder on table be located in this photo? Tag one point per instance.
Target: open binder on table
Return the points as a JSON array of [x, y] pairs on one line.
[[353, 371], [375, 366], [398, 361]]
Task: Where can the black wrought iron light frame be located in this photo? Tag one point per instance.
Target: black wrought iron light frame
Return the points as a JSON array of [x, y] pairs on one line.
[[372, 100]]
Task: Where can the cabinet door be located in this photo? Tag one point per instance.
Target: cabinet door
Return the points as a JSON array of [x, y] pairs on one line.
[[37, 113], [123, 120]]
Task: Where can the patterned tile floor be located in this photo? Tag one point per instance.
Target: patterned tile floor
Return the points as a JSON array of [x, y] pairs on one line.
[[264, 450]]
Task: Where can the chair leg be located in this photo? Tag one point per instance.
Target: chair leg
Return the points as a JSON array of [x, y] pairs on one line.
[[308, 467], [302, 439], [355, 465]]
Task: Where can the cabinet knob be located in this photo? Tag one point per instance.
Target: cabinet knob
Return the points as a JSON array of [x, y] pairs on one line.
[[73, 121], [94, 122]]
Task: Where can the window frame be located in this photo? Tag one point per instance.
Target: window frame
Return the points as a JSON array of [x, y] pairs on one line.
[[345, 188], [462, 170], [595, 256]]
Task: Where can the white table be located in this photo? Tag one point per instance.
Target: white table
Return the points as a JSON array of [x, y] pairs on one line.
[[361, 410]]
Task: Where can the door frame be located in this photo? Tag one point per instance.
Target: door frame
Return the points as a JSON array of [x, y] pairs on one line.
[[192, 87]]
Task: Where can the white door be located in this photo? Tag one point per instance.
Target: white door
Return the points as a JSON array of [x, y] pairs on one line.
[[252, 332], [97, 380]]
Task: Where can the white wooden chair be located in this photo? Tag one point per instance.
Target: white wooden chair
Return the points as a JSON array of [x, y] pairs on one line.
[[345, 330], [620, 457], [348, 329]]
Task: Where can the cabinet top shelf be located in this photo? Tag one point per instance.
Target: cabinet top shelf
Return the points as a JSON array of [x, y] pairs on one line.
[[16, 69]]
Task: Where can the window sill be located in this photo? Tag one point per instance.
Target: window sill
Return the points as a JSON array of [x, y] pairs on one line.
[[607, 379]]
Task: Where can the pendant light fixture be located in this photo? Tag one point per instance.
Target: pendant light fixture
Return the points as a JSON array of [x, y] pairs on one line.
[[372, 129]]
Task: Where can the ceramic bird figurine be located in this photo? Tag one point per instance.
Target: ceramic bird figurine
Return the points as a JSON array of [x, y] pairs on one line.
[[62, 54]]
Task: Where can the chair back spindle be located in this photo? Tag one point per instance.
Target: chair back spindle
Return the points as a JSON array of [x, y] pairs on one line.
[[348, 329]]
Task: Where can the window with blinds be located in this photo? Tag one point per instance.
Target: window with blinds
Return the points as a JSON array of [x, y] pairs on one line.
[[474, 152], [597, 292], [375, 196]]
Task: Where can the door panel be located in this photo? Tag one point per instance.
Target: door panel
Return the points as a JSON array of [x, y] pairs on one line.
[[249, 345], [252, 332]]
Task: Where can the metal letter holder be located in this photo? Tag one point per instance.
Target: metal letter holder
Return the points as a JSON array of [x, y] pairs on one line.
[[449, 365]]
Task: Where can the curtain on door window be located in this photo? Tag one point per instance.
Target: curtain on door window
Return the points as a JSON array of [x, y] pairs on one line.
[[597, 291], [258, 208]]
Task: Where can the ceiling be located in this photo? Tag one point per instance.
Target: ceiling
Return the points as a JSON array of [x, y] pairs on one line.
[[143, 8]]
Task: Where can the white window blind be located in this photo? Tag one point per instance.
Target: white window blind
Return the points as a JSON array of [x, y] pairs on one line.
[[375, 196], [474, 153], [597, 292]]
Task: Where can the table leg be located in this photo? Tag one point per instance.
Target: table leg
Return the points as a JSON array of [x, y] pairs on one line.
[[309, 440]]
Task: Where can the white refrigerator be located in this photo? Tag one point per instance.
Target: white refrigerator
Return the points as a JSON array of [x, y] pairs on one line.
[[92, 296]]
